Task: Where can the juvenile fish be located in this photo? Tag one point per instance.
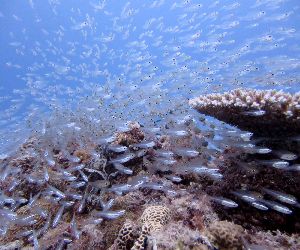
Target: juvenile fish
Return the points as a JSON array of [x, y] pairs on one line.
[[259, 150], [110, 215], [177, 132], [58, 216], [49, 159], [138, 181], [122, 169], [119, 188], [13, 185], [244, 195], [154, 186], [259, 205], [78, 184], [83, 175], [106, 206], [26, 220], [123, 158], [286, 155], [294, 167], [74, 229], [56, 191], [144, 144], [224, 202], [174, 178], [275, 163], [286, 198], [165, 161], [106, 139], [117, 148], [277, 207], [46, 175], [255, 113], [33, 199], [76, 168], [186, 152], [164, 153], [151, 130], [74, 196], [35, 241]]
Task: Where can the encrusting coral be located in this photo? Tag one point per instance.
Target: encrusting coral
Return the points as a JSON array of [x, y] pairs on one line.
[[265, 112]]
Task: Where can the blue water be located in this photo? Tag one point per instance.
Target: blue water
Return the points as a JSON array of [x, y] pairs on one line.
[[55, 53]]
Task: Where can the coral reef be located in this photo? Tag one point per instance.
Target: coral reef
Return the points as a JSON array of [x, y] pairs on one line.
[[265, 112], [80, 189]]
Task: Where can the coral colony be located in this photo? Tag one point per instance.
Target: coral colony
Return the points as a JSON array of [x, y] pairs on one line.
[[179, 130]]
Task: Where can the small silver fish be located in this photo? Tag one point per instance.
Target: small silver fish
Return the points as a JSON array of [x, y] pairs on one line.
[[106, 206], [123, 158], [174, 178], [76, 168], [56, 191], [245, 196], [13, 185], [120, 188], [84, 176], [164, 153], [78, 184], [117, 148], [285, 155], [106, 139], [277, 207], [255, 113], [35, 241], [122, 169], [46, 175], [154, 186], [294, 167], [165, 161], [144, 144], [74, 229], [58, 216], [224, 202], [110, 215], [259, 205], [286, 198], [275, 163], [186, 152], [49, 159], [177, 132]]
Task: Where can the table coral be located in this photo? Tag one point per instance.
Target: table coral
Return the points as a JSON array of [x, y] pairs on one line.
[[266, 112]]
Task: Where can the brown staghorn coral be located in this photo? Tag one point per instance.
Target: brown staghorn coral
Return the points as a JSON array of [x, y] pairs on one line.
[[280, 112]]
